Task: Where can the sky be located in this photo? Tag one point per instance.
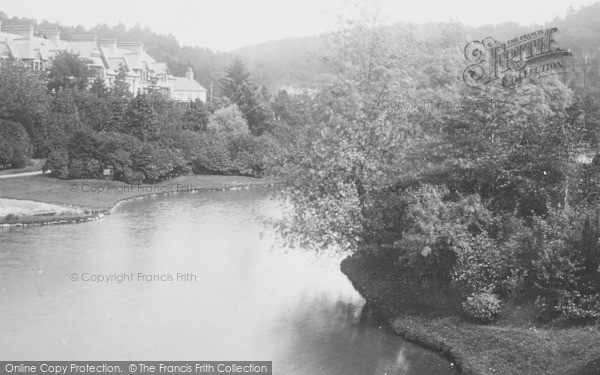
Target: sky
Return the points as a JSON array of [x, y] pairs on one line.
[[228, 24]]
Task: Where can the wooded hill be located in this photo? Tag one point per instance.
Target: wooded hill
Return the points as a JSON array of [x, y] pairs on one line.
[[297, 63]]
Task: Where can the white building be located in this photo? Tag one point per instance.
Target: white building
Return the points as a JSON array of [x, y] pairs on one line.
[[187, 88], [18, 41]]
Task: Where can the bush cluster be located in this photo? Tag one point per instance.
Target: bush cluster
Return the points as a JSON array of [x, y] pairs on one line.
[[15, 146], [223, 153], [82, 127], [552, 260], [87, 155], [482, 307]]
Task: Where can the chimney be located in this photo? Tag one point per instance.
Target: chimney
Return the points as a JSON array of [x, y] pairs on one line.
[[111, 44], [189, 74], [136, 47], [52, 35], [23, 29]]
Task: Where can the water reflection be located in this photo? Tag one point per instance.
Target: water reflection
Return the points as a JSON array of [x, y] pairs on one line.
[[353, 339], [249, 301]]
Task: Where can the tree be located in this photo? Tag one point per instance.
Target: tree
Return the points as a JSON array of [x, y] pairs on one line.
[[68, 71], [345, 163], [120, 86], [236, 77], [337, 172], [196, 117], [228, 120], [291, 109], [15, 146], [118, 97], [141, 119], [239, 89], [22, 95], [99, 88], [517, 147]]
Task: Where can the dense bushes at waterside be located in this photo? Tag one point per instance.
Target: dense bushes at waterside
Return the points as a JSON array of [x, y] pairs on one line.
[[221, 153], [87, 155], [83, 130], [554, 261]]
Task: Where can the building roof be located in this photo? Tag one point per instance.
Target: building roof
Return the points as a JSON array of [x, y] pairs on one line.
[[133, 61], [85, 49], [187, 84], [24, 48], [20, 42]]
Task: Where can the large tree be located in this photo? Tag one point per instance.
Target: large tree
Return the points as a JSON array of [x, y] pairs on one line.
[[517, 147], [142, 120], [239, 88], [68, 71], [22, 95], [364, 134]]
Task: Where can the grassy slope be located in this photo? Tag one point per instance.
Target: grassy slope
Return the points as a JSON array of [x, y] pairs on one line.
[[76, 192], [499, 349]]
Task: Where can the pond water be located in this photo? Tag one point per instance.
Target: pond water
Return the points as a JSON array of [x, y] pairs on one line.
[[190, 277]]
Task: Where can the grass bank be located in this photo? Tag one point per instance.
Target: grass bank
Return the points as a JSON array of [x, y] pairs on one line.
[[503, 348], [98, 197]]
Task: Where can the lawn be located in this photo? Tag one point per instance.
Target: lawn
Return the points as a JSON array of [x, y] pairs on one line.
[[504, 348], [102, 195]]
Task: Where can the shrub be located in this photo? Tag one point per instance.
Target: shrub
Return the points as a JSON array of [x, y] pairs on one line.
[[85, 169], [81, 158], [565, 274], [58, 163], [196, 117], [159, 164], [118, 150], [11, 217], [141, 119], [83, 145], [190, 143], [15, 146], [228, 120], [132, 177], [437, 230], [480, 266], [120, 160], [250, 154], [213, 155], [51, 133], [483, 307]]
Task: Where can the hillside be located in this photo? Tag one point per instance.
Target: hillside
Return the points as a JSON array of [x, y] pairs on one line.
[[295, 63], [287, 63]]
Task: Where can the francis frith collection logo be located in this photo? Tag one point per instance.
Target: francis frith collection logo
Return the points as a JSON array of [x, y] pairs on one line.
[[533, 55]]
